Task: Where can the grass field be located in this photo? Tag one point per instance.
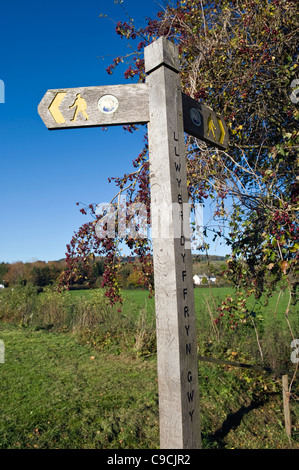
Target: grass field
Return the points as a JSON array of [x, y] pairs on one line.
[[65, 391], [141, 299], [56, 393], [138, 300]]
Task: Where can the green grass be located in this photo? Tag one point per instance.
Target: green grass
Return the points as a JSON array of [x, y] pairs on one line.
[[136, 300], [75, 391], [140, 296], [56, 393], [272, 329]]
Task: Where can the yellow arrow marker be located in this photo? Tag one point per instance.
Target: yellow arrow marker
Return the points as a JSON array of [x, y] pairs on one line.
[[222, 131], [54, 108]]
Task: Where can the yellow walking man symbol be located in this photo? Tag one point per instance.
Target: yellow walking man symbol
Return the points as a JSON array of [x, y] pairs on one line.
[[81, 107], [211, 126]]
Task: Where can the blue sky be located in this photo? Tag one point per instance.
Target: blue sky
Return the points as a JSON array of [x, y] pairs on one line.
[[44, 173]]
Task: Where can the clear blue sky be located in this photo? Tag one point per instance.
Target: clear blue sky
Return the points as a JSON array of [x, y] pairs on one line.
[[45, 45]]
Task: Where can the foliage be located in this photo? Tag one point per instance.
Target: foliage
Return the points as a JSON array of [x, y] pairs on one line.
[[3, 270], [41, 276], [233, 310], [18, 305], [37, 273]]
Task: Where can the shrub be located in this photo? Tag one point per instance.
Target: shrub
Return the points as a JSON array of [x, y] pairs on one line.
[[54, 310], [91, 316], [18, 305]]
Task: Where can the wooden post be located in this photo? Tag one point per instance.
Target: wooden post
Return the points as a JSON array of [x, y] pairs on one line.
[[286, 405], [159, 103], [174, 297]]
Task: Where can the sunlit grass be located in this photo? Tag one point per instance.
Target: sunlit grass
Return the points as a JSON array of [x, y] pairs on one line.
[[93, 384]]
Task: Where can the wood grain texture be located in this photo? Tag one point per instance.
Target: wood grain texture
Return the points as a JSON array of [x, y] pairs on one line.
[[161, 52], [174, 297], [133, 106], [286, 404]]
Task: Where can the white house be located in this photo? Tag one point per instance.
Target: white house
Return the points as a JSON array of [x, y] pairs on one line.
[[197, 279]]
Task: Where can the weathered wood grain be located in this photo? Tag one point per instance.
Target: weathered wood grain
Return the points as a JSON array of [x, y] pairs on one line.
[[133, 107], [286, 404], [156, 56], [174, 297]]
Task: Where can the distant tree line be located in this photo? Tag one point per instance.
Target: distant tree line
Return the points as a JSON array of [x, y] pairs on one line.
[[129, 273], [42, 273], [37, 273]]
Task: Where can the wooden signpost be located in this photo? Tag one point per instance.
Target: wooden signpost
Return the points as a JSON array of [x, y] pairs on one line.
[[202, 122], [95, 106], [160, 103]]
